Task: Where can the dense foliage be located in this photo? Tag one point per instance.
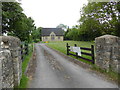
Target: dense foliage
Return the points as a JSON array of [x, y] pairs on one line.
[[36, 34], [97, 18], [16, 23]]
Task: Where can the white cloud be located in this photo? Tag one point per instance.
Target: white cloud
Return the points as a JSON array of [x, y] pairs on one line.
[[50, 13]]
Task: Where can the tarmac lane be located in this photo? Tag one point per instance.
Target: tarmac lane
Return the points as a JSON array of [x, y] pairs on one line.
[[55, 71]]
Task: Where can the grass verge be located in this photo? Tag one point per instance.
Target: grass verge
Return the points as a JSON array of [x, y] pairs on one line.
[[24, 79], [114, 76]]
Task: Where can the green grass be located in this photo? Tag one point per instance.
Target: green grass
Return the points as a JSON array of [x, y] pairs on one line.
[[23, 82], [111, 75], [25, 62], [24, 79], [61, 46]]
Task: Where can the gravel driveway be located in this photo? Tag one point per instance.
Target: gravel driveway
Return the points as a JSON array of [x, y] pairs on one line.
[[55, 71]]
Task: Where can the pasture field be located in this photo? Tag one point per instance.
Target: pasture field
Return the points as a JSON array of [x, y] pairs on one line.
[[61, 46]]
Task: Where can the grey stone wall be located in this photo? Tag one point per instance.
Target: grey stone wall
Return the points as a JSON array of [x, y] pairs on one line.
[[10, 62], [108, 52], [0, 18]]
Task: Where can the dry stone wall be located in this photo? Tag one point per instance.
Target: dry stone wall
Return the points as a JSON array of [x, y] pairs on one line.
[[10, 62], [108, 52]]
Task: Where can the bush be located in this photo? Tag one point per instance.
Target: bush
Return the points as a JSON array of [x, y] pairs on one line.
[[37, 40]]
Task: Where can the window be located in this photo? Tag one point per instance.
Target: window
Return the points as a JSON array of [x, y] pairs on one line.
[[46, 38], [52, 37], [58, 37]]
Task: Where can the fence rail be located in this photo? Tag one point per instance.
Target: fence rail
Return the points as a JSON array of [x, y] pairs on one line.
[[83, 53]]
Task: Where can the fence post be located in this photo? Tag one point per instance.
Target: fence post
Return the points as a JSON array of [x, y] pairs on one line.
[[76, 52], [92, 51], [26, 48], [67, 49], [21, 52]]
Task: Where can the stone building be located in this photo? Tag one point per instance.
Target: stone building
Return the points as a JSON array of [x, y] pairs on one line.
[[52, 34]]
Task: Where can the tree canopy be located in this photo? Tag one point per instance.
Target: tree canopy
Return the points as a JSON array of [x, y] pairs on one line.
[[97, 18], [36, 34], [64, 27], [15, 22]]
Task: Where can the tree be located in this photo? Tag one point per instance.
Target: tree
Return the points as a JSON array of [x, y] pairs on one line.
[[64, 27], [90, 29], [11, 12], [36, 34], [73, 34], [65, 34], [99, 18], [15, 22]]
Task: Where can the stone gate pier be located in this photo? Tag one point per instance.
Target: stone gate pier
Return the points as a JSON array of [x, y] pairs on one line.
[[10, 62], [108, 52]]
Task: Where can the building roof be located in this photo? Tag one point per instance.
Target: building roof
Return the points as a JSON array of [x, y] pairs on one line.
[[47, 31]]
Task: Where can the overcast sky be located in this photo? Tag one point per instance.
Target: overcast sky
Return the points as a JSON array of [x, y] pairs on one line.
[[50, 13]]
